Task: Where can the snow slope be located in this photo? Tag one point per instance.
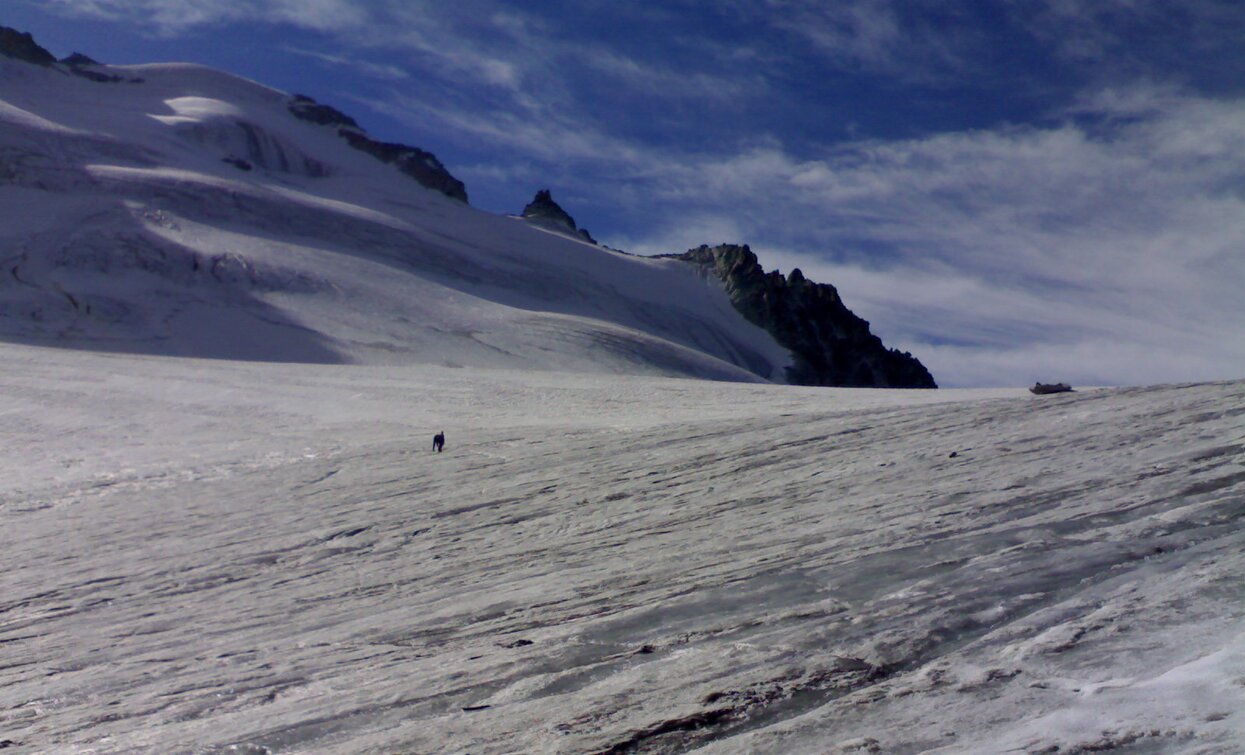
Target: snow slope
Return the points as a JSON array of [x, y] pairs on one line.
[[130, 226], [215, 556]]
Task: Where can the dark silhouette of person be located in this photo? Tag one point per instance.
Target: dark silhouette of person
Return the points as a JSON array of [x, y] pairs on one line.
[[438, 442]]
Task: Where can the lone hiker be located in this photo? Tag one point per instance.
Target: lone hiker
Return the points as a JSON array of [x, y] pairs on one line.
[[438, 442]]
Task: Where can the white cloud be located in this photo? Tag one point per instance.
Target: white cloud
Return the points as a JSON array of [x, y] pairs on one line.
[[382, 71], [553, 137], [423, 29], [322, 15], [891, 37], [433, 35], [1110, 250], [976, 331], [663, 81], [863, 32], [173, 17]]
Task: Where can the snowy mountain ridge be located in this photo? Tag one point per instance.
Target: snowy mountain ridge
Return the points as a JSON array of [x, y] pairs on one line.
[[185, 211], [175, 209]]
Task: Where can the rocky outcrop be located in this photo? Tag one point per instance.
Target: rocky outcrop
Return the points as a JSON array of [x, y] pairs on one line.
[[419, 164], [1042, 389], [543, 211], [308, 109], [423, 166], [21, 45], [83, 65], [831, 346]]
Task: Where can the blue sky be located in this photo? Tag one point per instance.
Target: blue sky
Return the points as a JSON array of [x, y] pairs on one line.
[[1013, 190]]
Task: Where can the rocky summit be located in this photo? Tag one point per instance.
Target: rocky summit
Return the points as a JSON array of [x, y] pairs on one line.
[[543, 211], [830, 344], [22, 45]]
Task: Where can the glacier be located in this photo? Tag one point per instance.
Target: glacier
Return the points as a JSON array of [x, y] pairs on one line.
[[218, 556]]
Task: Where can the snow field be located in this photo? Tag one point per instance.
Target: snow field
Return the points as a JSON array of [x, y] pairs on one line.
[[212, 556]]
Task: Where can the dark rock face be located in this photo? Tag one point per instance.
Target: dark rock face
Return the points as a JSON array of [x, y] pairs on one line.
[[542, 210], [80, 69], [413, 161], [832, 346], [1043, 389], [22, 46], [423, 166], [81, 65], [309, 110]]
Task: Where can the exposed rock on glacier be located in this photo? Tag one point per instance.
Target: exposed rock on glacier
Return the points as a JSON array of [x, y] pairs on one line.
[[831, 345], [21, 45], [419, 164], [545, 212]]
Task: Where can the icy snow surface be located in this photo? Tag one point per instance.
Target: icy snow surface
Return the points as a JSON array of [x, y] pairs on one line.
[[205, 556]]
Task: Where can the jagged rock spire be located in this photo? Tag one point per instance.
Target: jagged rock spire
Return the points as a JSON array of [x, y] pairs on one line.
[[542, 210], [22, 45]]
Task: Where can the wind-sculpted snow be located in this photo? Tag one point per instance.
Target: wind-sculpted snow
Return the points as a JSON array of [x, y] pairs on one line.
[[239, 557], [225, 130]]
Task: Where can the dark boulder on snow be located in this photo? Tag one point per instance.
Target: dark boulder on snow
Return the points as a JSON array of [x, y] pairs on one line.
[[419, 164], [22, 46], [831, 345], [1042, 389], [543, 211]]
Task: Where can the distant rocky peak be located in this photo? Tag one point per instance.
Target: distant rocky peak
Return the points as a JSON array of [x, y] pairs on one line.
[[22, 46], [543, 207], [79, 59], [542, 210]]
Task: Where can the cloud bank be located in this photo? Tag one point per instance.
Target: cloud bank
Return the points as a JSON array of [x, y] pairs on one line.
[[1105, 249]]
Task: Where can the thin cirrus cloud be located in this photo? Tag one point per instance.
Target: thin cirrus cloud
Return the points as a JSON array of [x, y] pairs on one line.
[[172, 17], [538, 61], [1108, 245], [552, 137], [866, 34], [378, 71]]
